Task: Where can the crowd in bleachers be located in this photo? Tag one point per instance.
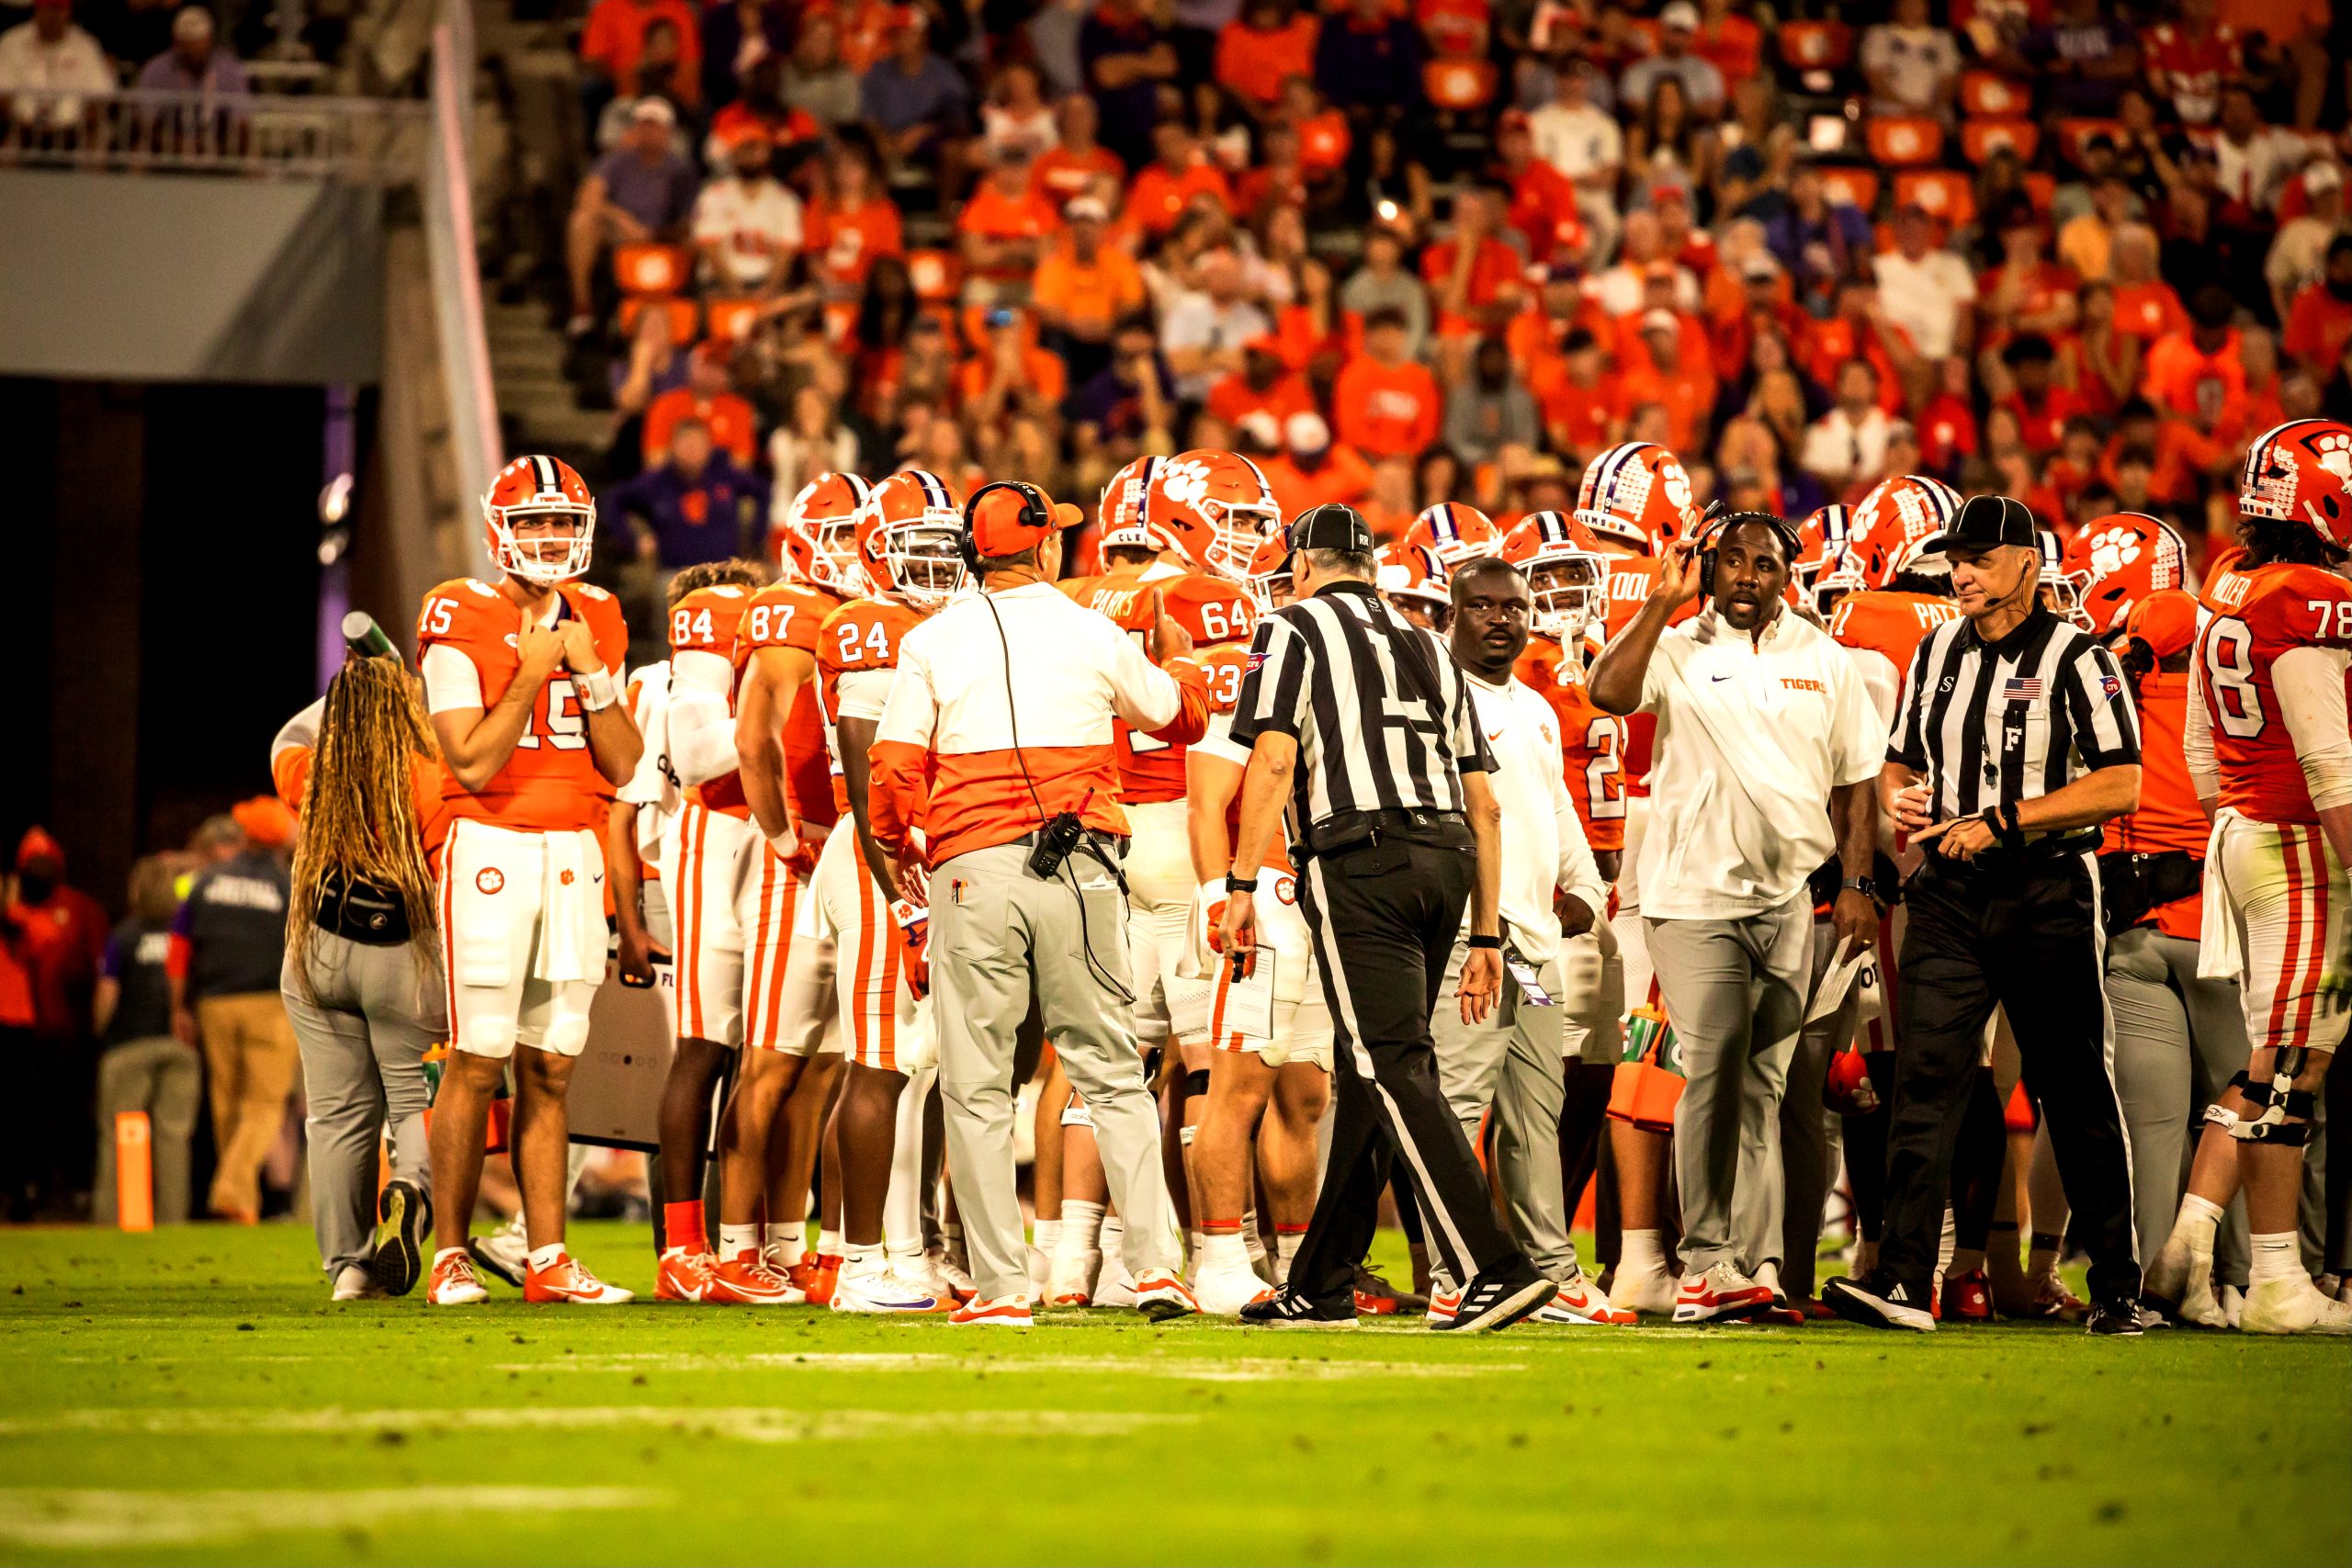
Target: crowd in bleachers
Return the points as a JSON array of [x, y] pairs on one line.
[[2073, 251]]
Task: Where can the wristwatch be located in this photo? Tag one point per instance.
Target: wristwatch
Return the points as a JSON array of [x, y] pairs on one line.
[[1865, 886], [1241, 884]]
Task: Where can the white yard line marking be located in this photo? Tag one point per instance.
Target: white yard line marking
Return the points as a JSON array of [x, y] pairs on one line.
[[748, 1423], [73, 1518], [1239, 1369]]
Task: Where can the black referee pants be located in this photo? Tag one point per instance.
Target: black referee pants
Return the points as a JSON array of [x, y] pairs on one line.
[[2027, 937], [1384, 917]]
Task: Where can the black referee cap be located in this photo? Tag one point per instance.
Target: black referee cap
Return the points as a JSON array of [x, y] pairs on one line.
[[1334, 525], [1983, 522]]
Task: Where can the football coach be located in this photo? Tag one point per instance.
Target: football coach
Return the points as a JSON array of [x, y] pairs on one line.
[[1361, 724]]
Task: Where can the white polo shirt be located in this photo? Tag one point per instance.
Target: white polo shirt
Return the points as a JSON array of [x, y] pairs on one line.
[[1752, 736], [1544, 846]]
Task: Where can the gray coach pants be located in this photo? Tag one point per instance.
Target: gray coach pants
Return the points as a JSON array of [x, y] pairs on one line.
[[1512, 1062], [2178, 1041], [1809, 1138], [998, 932], [1735, 992], [376, 1010]]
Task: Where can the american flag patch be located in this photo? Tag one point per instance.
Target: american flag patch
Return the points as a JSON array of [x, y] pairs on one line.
[[2022, 688]]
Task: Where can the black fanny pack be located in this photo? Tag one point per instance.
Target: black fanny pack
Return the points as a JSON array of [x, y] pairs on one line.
[[363, 913], [1349, 830], [2130, 886]]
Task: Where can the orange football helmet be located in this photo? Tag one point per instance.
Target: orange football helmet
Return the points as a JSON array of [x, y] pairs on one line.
[[797, 559], [1567, 577], [825, 514], [2117, 560], [540, 491], [1213, 506], [1901, 512], [1270, 572], [1125, 512], [1414, 571], [2060, 592], [1636, 496], [2301, 472], [910, 538], [1454, 533]]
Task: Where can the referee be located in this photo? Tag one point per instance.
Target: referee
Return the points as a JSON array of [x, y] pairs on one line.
[[1362, 725], [2014, 741]]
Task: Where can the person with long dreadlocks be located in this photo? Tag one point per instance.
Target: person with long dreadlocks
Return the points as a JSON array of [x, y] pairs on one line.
[[364, 981]]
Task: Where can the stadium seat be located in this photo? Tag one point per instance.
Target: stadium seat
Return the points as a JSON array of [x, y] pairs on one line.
[[732, 320], [1458, 85], [683, 315], [2073, 133], [936, 274], [1816, 46], [650, 269], [1943, 195], [1856, 188], [1903, 142], [1980, 139], [1988, 94]]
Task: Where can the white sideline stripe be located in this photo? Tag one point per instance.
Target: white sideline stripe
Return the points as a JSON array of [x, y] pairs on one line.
[[71, 1518], [1241, 1369], [750, 1423]]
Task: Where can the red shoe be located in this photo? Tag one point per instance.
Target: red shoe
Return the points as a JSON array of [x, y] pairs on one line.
[[745, 1279], [1967, 1298], [814, 1276], [568, 1283], [1002, 1311], [684, 1276]]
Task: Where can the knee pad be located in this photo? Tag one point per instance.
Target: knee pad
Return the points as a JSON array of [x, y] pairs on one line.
[[2222, 1116], [1197, 1081], [2280, 1116]]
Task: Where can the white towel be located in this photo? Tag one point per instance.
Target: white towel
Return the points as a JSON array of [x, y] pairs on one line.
[[571, 910], [2218, 956]]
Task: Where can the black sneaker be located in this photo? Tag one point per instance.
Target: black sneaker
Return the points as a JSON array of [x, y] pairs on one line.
[[1498, 1299], [2122, 1315], [407, 1213], [1288, 1309], [1875, 1306]]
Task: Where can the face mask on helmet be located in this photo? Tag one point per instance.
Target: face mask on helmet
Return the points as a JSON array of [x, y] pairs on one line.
[[543, 547], [1269, 579], [1570, 592], [925, 560], [834, 540]]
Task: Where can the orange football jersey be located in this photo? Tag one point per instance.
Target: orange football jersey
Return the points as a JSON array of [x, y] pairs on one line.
[[2170, 819], [862, 634], [2257, 616], [705, 621], [1592, 743], [1226, 663], [550, 785], [788, 615], [1890, 624], [1211, 610]]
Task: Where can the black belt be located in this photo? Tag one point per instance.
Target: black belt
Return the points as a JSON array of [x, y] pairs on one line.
[[362, 912], [1111, 844], [1439, 829], [2132, 886], [2033, 856]]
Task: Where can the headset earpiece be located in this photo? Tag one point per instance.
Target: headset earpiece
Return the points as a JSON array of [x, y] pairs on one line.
[[1718, 520]]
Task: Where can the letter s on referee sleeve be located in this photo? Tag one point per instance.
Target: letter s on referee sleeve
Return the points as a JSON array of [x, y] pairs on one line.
[[1908, 744], [898, 788], [2107, 732], [1274, 685]]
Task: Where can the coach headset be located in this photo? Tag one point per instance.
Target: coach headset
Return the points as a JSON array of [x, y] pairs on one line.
[[1718, 522], [1062, 834]]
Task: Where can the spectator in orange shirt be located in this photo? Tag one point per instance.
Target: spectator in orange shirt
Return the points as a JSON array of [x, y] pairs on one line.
[[614, 42], [2319, 322], [2198, 374], [1084, 288], [1313, 470], [1010, 375], [1662, 377], [1860, 331], [1386, 404], [709, 398], [1324, 139], [1581, 403], [1732, 43], [1006, 224], [1166, 187], [2146, 307], [850, 224], [1265, 381], [1268, 43], [1473, 276], [1078, 164], [1543, 200], [2040, 405]]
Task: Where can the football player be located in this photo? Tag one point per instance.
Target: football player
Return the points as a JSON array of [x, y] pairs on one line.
[[1412, 579], [519, 679], [1821, 545], [1454, 533], [910, 557], [2270, 749], [2117, 560]]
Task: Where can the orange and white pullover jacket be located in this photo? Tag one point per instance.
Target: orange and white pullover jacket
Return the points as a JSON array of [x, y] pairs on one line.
[[969, 707]]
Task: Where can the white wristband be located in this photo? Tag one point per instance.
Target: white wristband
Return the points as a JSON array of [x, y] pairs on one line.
[[597, 691]]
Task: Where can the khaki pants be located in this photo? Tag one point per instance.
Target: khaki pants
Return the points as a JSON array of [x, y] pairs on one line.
[[165, 1078], [249, 1050], [1512, 1062]]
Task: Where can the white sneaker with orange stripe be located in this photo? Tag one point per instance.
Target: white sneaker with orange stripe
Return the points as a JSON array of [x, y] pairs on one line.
[[453, 1282], [993, 1312], [568, 1283], [1162, 1293]]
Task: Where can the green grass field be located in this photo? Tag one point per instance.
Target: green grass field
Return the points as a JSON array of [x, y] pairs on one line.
[[192, 1397]]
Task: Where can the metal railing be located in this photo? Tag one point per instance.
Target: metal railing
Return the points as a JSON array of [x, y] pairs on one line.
[[372, 140], [448, 201]]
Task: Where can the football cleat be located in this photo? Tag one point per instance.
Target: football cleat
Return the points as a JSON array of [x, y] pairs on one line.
[[747, 1279], [682, 1276], [2053, 1300], [1223, 1292], [1375, 1297], [2292, 1306], [1162, 1293], [1967, 1298], [814, 1276], [453, 1282], [1001, 1312], [1578, 1300], [504, 1254], [570, 1283], [877, 1287], [1720, 1293], [407, 1214]]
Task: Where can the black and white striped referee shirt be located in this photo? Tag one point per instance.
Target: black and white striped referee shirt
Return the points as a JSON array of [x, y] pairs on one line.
[[1382, 718], [1990, 723]]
